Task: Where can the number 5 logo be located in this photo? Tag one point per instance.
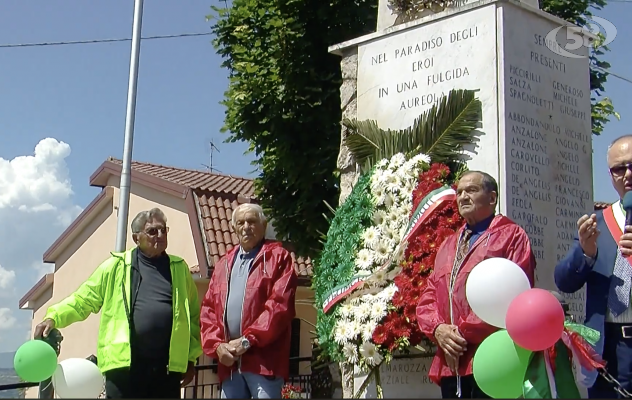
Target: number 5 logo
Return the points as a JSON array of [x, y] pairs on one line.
[[597, 32]]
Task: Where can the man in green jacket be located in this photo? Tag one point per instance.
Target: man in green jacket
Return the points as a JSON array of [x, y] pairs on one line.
[[149, 335]]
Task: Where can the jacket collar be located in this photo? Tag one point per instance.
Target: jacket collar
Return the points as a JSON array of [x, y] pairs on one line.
[[498, 222], [127, 256]]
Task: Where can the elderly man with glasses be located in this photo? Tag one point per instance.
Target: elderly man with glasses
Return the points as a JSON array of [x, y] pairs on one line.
[[149, 335], [600, 259]]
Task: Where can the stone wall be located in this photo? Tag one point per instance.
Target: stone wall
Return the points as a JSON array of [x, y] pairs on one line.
[[349, 169]]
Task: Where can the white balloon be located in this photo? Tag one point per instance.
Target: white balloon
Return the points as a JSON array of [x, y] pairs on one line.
[[77, 378], [491, 286]]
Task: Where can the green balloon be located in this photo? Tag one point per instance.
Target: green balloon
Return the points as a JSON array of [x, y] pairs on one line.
[[500, 366], [35, 361]]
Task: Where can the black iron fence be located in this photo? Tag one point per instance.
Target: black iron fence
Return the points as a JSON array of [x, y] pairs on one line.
[[205, 385], [199, 388]]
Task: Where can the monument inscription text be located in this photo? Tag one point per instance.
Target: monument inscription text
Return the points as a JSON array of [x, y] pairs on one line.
[[548, 144]]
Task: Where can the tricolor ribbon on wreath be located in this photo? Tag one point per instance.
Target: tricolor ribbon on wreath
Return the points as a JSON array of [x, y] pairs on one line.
[[433, 202]]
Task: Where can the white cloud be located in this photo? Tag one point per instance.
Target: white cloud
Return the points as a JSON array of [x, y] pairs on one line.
[[7, 278], [43, 269], [36, 205], [7, 320]]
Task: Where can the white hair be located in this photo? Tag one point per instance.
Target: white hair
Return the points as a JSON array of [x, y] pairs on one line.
[[256, 208], [141, 219]]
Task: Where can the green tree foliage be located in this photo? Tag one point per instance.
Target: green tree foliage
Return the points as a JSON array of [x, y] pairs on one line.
[[283, 97]]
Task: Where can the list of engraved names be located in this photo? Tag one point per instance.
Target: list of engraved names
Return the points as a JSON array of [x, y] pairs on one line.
[[548, 148]]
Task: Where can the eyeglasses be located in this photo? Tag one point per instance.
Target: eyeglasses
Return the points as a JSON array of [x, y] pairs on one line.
[[154, 231], [620, 170]]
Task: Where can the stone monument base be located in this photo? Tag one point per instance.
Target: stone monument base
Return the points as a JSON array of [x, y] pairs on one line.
[[403, 378]]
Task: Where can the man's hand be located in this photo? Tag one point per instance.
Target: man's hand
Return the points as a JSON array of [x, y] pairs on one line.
[[43, 328], [239, 349], [450, 341], [225, 353], [625, 243], [189, 375], [587, 232], [453, 362]]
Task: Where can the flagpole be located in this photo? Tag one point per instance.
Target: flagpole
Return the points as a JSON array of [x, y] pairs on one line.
[[123, 209]]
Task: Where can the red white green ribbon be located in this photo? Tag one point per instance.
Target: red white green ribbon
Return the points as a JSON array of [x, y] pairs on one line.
[[550, 373]]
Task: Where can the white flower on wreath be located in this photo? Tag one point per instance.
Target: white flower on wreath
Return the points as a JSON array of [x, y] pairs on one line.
[[346, 310], [342, 332], [370, 354], [380, 179], [394, 183], [382, 251], [382, 164], [388, 293], [379, 216], [356, 328], [378, 196], [365, 259], [371, 237], [389, 200], [363, 311], [350, 352], [378, 310], [397, 161], [367, 330]]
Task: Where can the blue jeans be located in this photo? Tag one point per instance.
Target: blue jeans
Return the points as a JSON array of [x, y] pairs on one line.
[[246, 385]]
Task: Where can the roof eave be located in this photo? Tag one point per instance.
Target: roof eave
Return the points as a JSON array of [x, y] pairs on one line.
[[78, 224], [36, 291]]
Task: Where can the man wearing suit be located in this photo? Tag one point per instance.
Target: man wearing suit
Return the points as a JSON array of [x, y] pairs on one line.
[[599, 259]]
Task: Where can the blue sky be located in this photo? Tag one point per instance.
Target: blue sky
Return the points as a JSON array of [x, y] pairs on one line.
[[77, 95]]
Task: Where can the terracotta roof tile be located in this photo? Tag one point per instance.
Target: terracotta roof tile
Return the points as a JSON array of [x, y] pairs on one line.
[[201, 180], [217, 196], [216, 214]]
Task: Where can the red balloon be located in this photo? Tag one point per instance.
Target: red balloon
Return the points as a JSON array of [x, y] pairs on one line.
[[535, 320]]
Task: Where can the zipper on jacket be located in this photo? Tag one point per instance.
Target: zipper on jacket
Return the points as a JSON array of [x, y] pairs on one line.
[[453, 276], [226, 337], [450, 293], [241, 323]]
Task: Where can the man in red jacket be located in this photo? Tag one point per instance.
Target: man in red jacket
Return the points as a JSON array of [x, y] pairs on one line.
[[443, 312], [247, 312]]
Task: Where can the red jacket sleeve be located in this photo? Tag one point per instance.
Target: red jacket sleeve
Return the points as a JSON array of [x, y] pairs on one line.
[[428, 317], [279, 308], [473, 329], [211, 329], [519, 251]]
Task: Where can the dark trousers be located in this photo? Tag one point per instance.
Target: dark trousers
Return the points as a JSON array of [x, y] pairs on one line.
[[469, 388], [617, 352], [143, 380]]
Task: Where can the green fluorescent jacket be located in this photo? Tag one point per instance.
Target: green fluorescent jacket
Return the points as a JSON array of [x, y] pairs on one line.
[[103, 291]]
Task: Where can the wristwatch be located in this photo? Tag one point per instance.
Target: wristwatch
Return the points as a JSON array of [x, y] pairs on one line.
[[245, 343]]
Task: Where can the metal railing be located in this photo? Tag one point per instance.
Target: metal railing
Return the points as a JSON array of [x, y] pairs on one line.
[[46, 390], [198, 389]]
